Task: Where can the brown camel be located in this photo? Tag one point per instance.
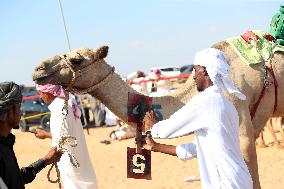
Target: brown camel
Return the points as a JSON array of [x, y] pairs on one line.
[[93, 75], [274, 124]]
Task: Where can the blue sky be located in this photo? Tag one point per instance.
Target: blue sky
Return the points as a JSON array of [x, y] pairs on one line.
[[140, 33]]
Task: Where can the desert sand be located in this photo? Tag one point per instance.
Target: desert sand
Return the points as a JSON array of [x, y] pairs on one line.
[[168, 172]]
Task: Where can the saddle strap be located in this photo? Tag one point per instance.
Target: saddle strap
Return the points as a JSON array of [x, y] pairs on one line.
[[265, 85]]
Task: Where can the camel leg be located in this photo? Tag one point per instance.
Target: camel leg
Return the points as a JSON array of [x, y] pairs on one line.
[[260, 142], [271, 129], [282, 128], [247, 144], [282, 133], [249, 152]]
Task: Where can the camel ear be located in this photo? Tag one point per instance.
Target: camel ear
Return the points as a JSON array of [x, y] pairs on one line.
[[101, 52]]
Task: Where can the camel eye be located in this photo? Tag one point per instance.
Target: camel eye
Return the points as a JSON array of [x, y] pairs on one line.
[[76, 61]]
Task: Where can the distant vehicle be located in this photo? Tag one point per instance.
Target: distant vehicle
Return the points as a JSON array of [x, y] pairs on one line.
[[167, 71], [32, 106], [186, 69]]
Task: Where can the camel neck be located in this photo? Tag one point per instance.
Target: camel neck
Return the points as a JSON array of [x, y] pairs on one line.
[[114, 95]]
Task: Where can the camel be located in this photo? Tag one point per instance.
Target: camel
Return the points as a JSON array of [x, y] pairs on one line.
[[274, 125], [85, 70]]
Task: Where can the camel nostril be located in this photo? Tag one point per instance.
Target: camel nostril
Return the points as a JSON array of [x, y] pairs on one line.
[[39, 68]]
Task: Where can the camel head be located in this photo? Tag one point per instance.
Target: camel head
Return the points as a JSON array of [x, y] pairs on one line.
[[82, 67]]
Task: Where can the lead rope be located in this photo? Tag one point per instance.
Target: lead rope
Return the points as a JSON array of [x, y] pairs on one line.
[[266, 79], [64, 143]]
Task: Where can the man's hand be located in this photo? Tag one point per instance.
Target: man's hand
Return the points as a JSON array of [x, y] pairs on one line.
[[150, 143], [52, 156], [42, 134], [149, 120]]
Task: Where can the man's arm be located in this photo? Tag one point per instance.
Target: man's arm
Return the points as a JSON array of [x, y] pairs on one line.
[[29, 173], [184, 121], [157, 147], [184, 151], [42, 134]]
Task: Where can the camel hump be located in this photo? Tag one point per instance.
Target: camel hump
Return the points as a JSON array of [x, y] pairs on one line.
[[101, 52], [222, 45]]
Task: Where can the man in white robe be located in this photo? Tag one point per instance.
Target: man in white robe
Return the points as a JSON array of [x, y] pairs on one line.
[[84, 176], [215, 123]]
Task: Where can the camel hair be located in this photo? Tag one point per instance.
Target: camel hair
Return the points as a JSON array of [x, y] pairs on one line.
[[94, 76]]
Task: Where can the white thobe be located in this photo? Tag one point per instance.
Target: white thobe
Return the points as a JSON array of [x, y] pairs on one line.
[[215, 122], [73, 178]]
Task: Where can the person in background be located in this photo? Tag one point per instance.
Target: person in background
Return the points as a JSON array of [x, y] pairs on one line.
[[136, 81], [122, 131], [11, 176], [215, 123], [84, 176], [99, 112], [86, 108], [159, 85]]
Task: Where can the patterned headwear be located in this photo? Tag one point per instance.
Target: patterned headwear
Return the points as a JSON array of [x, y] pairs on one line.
[[55, 90], [58, 91], [10, 94], [218, 69]]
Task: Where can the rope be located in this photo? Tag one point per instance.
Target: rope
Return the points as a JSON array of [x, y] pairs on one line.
[[92, 88], [37, 115], [57, 174], [65, 27], [64, 143]]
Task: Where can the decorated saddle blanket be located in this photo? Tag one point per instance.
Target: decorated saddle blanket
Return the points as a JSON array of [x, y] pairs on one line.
[[255, 46]]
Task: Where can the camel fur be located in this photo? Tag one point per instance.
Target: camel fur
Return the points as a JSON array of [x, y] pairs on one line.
[[91, 69]]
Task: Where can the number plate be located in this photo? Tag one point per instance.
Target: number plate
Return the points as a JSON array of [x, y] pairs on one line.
[[138, 165], [137, 106]]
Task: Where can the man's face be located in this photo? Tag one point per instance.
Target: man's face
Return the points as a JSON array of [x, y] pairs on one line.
[[46, 97], [199, 77], [14, 116]]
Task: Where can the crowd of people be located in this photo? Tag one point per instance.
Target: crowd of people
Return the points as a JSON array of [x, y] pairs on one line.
[[151, 84]]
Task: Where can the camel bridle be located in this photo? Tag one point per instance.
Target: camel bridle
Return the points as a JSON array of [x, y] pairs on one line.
[[71, 87]]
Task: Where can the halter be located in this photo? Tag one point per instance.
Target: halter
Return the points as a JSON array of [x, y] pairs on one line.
[[70, 87]]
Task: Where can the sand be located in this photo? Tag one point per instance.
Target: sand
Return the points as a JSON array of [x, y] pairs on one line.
[[168, 172]]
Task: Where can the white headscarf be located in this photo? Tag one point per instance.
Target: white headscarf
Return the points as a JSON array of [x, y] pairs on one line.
[[218, 69]]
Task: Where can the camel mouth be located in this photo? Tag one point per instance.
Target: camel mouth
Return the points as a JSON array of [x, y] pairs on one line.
[[42, 79]]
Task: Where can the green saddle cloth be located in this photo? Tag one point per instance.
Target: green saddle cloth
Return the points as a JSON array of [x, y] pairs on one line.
[[249, 53]]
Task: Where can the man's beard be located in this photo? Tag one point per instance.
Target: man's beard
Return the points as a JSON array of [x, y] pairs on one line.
[[16, 126], [199, 89]]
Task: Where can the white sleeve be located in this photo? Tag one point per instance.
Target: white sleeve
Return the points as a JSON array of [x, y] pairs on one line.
[[189, 118], [186, 151], [2, 184]]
